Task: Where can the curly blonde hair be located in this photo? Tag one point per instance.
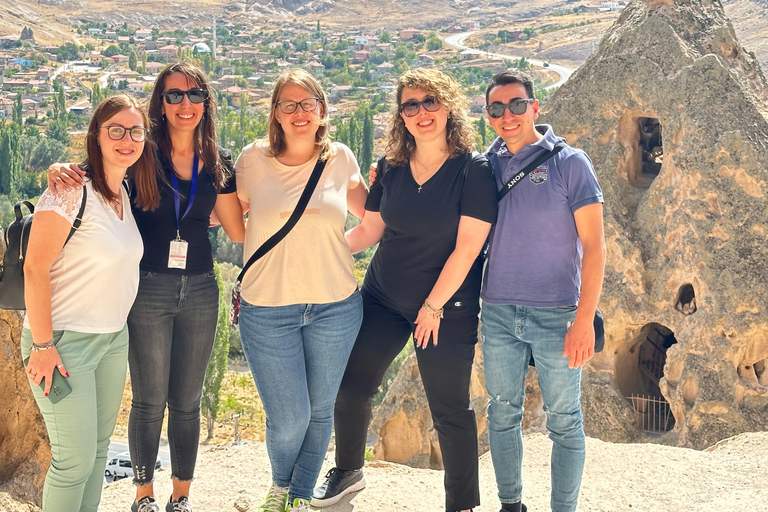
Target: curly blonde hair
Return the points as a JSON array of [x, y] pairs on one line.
[[302, 78], [460, 133]]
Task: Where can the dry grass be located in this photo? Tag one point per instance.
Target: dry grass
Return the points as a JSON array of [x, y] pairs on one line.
[[238, 395]]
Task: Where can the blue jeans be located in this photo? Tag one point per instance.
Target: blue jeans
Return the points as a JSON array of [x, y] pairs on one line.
[[172, 325], [297, 355], [510, 334]]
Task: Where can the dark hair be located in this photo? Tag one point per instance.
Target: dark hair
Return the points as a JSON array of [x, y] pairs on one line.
[[460, 132], [205, 132], [510, 77], [305, 80], [142, 172]]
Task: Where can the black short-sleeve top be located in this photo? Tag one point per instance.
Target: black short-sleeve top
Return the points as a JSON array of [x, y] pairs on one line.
[[158, 227], [421, 228]]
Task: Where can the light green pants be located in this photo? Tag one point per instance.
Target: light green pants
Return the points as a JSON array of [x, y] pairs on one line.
[[80, 425]]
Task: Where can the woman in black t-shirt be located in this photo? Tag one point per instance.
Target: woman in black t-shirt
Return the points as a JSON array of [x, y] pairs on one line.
[[173, 321], [431, 207]]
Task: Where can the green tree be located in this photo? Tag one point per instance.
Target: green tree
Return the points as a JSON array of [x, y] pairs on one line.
[[133, 61], [10, 158], [67, 51], [96, 95], [110, 51], [434, 43], [217, 364], [18, 110], [366, 149], [384, 37], [354, 136]]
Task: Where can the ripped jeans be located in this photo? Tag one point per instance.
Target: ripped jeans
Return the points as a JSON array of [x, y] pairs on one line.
[[510, 334]]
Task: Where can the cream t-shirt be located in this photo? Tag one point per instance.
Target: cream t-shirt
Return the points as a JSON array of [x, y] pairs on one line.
[[312, 264], [95, 278]]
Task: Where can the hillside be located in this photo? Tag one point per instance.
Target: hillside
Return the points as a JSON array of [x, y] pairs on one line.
[[51, 20]]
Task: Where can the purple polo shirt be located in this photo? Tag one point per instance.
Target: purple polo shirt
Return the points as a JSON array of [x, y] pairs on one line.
[[534, 257]]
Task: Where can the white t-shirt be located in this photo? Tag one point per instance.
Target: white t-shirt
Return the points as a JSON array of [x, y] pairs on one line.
[[95, 278], [312, 264]]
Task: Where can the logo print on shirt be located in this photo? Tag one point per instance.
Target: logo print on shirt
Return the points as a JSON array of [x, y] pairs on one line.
[[539, 175]]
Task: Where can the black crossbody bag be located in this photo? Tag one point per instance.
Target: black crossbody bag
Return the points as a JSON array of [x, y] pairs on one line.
[[234, 314], [599, 323]]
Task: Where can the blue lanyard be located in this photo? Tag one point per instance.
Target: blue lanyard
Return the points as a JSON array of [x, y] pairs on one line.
[[176, 195]]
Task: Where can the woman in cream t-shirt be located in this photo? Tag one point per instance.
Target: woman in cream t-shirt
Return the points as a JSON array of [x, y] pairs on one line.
[[300, 308]]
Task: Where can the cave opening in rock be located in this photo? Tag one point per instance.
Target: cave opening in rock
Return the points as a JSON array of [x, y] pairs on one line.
[[646, 156], [686, 299], [639, 368]]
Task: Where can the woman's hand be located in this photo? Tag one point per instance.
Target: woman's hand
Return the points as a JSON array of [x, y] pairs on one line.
[[427, 324], [372, 175], [64, 177], [41, 365]]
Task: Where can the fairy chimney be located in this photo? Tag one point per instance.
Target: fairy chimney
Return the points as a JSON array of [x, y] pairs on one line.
[[672, 110]]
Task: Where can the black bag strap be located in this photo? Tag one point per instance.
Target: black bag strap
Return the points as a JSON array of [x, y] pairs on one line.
[[288, 226], [79, 218], [517, 178]]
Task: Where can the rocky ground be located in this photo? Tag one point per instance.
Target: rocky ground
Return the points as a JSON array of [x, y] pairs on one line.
[[733, 475]]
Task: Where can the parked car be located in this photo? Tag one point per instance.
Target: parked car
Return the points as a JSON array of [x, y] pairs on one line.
[[120, 467]]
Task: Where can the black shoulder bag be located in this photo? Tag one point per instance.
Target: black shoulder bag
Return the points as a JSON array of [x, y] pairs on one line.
[[598, 323], [234, 314], [16, 241]]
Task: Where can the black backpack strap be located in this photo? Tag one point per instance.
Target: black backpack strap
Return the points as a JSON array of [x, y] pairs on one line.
[[518, 177], [295, 216], [79, 218]]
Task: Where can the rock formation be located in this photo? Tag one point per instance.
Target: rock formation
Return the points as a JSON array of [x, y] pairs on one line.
[[672, 110], [24, 449]]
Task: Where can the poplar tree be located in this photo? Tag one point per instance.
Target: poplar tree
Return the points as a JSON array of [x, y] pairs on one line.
[[217, 364]]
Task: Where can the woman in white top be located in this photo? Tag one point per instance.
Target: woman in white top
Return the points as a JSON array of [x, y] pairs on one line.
[[78, 293], [301, 309]]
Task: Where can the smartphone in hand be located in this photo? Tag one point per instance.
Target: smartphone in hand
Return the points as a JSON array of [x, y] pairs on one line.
[[59, 387]]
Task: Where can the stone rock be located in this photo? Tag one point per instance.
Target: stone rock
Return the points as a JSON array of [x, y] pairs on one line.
[[242, 503], [24, 449], [672, 111], [404, 424], [9, 504]]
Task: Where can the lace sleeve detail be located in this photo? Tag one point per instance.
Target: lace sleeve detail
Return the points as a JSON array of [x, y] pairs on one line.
[[66, 203]]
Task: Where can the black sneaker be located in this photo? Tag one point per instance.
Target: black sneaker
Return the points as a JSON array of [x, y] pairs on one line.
[[180, 505], [145, 504], [513, 507], [338, 483]]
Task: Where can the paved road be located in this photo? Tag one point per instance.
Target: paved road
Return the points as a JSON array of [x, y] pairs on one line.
[[457, 41]]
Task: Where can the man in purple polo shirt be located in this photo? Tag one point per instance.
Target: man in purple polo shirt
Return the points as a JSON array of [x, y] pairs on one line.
[[540, 290]]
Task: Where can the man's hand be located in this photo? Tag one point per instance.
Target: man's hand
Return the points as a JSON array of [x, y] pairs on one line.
[[579, 343]]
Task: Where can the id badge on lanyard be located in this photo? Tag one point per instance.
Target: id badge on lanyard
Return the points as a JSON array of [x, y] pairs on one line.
[[177, 253]]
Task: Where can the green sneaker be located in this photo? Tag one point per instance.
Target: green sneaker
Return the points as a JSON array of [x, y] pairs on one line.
[[276, 500], [299, 505]]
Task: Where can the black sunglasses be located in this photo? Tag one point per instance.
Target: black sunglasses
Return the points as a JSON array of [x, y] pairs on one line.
[[411, 107], [176, 96], [117, 132], [516, 107]]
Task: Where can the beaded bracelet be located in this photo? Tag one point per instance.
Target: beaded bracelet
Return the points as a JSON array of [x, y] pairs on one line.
[[432, 310], [45, 346]]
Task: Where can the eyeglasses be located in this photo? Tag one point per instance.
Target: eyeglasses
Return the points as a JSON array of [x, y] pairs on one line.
[[307, 105], [176, 96], [411, 107], [516, 107], [117, 132]]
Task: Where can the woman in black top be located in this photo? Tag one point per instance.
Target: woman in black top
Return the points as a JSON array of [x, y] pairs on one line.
[[431, 206], [173, 321]]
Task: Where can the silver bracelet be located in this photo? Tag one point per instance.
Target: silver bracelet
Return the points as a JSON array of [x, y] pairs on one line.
[[45, 346]]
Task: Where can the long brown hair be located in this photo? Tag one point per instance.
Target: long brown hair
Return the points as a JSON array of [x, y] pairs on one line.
[[142, 172], [304, 79], [205, 132], [460, 133]]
